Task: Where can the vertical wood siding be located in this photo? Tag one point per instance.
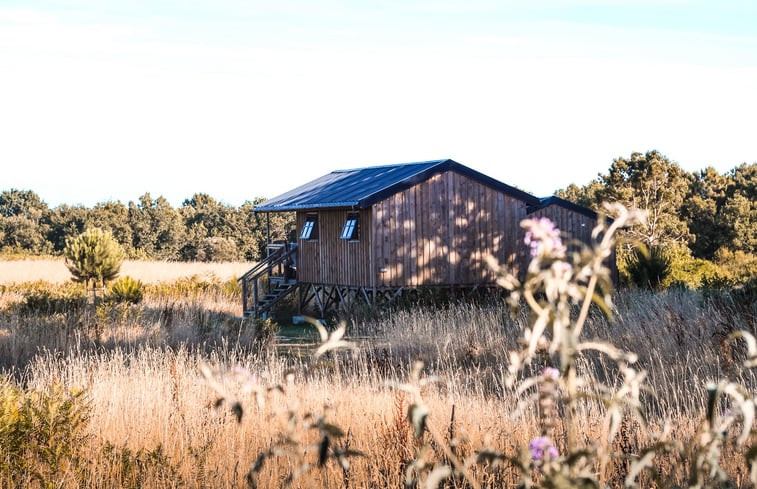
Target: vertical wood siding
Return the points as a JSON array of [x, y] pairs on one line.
[[575, 227], [440, 231], [330, 260]]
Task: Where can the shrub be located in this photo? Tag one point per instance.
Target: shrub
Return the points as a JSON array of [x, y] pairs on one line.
[[43, 298], [648, 268], [126, 289], [41, 433]]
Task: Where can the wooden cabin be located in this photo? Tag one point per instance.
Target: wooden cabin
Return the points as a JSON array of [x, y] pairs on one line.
[[369, 234]]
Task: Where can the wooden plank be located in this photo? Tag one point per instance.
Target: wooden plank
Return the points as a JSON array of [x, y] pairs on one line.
[[386, 242], [412, 247], [479, 232], [451, 196], [422, 234], [435, 209], [399, 236], [489, 212], [465, 232], [500, 233], [406, 239]]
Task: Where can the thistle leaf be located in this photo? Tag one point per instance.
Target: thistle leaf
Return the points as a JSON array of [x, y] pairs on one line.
[[417, 414]]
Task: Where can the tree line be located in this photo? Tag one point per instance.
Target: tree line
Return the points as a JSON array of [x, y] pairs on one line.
[[705, 222], [201, 229]]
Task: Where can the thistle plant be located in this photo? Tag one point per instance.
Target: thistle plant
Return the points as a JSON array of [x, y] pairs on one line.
[[559, 289], [294, 442]]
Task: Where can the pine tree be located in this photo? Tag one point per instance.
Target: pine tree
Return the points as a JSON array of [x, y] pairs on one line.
[[93, 257]]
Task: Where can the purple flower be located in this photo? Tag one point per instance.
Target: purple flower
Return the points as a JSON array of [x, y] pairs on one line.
[[543, 237], [542, 448], [550, 373]]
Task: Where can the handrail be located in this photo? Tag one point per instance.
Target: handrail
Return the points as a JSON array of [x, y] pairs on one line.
[[262, 264], [262, 268], [275, 262]]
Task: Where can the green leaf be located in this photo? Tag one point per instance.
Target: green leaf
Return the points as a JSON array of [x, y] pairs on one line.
[[417, 414], [238, 411], [437, 476]]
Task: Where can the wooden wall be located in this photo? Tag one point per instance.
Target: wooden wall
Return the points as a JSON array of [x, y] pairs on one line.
[[571, 224], [439, 232], [330, 260], [575, 226]]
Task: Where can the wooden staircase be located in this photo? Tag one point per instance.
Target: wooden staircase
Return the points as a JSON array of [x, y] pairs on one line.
[[269, 281]]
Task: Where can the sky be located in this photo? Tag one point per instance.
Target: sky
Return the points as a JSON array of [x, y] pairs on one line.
[[104, 100]]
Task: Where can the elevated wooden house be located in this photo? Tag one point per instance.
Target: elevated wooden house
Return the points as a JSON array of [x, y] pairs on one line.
[[369, 234]]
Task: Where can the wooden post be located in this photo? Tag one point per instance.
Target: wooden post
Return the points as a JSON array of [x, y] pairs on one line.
[[267, 233], [244, 296], [255, 298]]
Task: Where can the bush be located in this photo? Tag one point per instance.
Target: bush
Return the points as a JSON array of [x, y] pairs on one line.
[[126, 289], [688, 271], [43, 298], [41, 433], [648, 268]]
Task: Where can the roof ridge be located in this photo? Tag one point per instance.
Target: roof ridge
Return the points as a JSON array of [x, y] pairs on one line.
[[392, 165]]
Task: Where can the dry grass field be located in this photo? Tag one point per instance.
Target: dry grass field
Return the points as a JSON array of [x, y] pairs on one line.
[[53, 270], [148, 419], [177, 391]]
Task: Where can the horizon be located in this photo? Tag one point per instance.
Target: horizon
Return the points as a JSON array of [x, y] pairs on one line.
[[239, 100], [181, 201]]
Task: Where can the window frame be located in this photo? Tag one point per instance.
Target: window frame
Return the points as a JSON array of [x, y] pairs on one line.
[[351, 228], [311, 226]]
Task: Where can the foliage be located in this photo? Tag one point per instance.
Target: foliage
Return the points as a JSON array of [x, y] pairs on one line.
[[126, 289], [42, 298], [217, 249], [41, 433], [157, 228], [707, 212], [648, 268], [23, 225], [652, 183], [142, 467], [93, 257]]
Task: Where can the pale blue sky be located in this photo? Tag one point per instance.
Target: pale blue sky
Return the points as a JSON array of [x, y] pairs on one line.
[[239, 99]]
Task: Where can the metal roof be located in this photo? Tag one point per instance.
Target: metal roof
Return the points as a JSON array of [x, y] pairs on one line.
[[363, 187], [555, 200]]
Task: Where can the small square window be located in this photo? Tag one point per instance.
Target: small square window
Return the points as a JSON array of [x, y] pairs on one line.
[[350, 229], [310, 228]]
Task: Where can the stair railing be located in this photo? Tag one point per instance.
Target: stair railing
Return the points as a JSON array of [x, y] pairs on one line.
[[262, 270]]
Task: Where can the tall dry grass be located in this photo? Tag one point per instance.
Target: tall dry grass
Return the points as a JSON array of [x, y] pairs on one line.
[[152, 421], [54, 270]]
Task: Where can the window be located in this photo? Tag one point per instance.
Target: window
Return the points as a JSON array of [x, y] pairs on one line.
[[350, 229], [310, 228]]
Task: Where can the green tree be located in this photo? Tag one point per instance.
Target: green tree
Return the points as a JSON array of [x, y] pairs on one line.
[[23, 222], [93, 257], [739, 213], [252, 241], [113, 217], [652, 183], [65, 221], [702, 210], [212, 232], [157, 228]]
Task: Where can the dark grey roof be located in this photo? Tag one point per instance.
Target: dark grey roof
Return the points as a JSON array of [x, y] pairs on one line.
[[554, 200], [363, 187]]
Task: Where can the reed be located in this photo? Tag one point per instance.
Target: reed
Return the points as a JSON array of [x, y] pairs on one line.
[[145, 417]]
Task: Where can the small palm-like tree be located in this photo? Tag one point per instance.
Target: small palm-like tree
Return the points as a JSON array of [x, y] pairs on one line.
[[648, 267], [93, 257]]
